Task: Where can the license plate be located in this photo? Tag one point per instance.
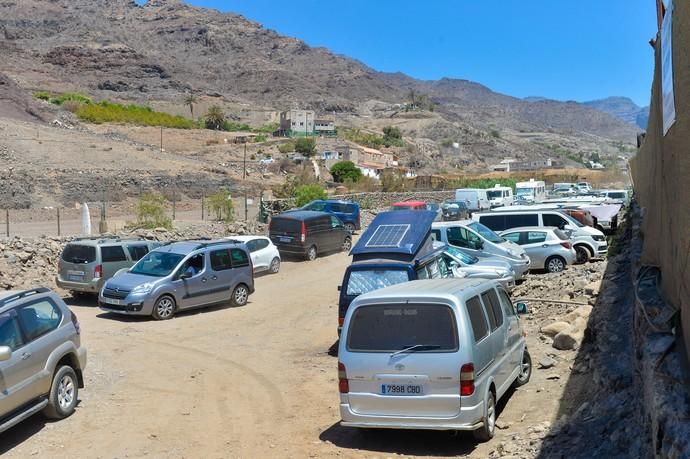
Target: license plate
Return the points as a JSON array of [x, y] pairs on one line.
[[75, 277], [284, 239], [113, 301], [402, 389]]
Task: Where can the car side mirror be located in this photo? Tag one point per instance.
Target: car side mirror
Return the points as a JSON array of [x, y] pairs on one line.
[[5, 353], [340, 287], [521, 308], [185, 275]]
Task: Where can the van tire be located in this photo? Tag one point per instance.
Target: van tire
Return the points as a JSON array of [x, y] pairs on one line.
[[488, 430], [162, 306], [350, 227], [312, 253], [525, 369], [582, 253], [64, 393], [347, 244], [240, 295], [555, 264]]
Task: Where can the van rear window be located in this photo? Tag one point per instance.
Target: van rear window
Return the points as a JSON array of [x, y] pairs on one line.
[[285, 225], [76, 253], [391, 328], [361, 282]]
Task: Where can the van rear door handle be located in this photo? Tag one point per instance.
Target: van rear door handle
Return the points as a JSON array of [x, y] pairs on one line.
[[203, 279], [214, 278], [26, 355]]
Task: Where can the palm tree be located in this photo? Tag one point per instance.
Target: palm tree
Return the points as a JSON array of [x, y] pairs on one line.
[[190, 99], [215, 117]]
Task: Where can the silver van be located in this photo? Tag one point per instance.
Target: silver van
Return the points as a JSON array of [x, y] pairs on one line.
[[477, 240], [86, 263], [436, 354]]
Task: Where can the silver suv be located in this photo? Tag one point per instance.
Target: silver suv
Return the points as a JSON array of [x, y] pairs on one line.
[[41, 357], [179, 276], [86, 263]]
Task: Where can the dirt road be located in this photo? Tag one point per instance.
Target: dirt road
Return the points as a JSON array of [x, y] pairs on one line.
[[255, 381]]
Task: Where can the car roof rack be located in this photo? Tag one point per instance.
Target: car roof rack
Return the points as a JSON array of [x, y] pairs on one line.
[[104, 239], [25, 293]]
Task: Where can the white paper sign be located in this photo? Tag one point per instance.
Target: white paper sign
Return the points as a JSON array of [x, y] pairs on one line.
[[668, 99]]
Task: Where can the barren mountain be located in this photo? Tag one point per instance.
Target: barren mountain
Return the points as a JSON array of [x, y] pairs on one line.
[[624, 109], [119, 49]]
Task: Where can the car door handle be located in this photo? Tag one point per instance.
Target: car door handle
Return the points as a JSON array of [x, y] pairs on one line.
[[204, 280], [545, 245], [26, 355], [214, 278]]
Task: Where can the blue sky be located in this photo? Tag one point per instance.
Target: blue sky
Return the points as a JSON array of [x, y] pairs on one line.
[[562, 49]]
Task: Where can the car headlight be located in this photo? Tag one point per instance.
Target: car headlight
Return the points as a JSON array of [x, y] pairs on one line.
[[598, 238], [142, 289]]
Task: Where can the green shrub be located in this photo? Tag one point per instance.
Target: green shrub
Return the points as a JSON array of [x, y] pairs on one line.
[[72, 96], [108, 112], [220, 204], [260, 138], [306, 146], [495, 134], [43, 95], [304, 194], [346, 171], [362, 138], [286, 147], [392, 136], [150, 212], [267, 129], [231, 126]]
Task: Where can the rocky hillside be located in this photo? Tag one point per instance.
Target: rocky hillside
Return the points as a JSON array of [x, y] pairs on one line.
[[624, 109], [159, 51]]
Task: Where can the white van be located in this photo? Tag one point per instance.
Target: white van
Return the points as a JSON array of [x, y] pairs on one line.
[[476, 198], [532, 191], [481, 242], [588, 242], [435, 354], [500, 196]]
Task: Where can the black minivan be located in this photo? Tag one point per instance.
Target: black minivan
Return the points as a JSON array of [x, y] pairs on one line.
[[307, 233]]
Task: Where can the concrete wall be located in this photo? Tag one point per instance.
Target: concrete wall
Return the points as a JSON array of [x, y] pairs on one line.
[[661, 176]]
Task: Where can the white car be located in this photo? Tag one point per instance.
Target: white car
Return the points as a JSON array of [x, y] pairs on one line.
[[265, 255]]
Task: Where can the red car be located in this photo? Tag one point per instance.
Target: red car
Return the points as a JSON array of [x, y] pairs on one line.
[[409, 205]]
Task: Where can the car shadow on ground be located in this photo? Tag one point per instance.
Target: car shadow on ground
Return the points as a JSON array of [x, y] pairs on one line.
[[180, 315], [26, 429]]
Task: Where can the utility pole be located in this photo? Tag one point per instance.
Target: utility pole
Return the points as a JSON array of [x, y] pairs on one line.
[[244, 163], [174, 199], [161, 138], [58, 220]]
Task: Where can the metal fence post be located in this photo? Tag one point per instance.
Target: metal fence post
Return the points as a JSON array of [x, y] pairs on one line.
[[7, 222], [174, 200], [58, 221], [202, 206]]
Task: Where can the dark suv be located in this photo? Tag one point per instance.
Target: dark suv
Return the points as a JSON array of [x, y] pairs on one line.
[[346, 211], [306, 233]]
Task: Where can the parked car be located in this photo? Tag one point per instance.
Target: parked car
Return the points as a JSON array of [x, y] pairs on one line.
[[266, 161], [41, 357], [435, 355], [395, 248], [307, 233], [547, 248], [589, 242], [264, 254], [500, 196], [621, 197], [478, 240], [409, 205], [454, 210], [471, 266], [346, 211], [86, 263], [583, 187], [476, 198], [181, 276]]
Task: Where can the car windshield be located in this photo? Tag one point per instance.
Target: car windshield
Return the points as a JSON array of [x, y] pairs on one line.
[[367, 280], [452, 205], [464, 257], [486, 233], [524, 192], [157, 264], [573, 220], [494, 194], [393, 327]]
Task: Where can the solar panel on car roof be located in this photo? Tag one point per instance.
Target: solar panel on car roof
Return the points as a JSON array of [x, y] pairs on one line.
[[388, 236]]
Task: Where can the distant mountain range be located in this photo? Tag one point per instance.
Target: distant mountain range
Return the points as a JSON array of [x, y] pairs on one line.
[[622, 108]]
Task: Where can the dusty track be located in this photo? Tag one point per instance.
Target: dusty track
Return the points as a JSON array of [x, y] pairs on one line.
[[255, 381]]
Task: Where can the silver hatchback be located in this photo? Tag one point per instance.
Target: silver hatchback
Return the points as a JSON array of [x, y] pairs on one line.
[[548, 248], [434, 354], [41, 356]]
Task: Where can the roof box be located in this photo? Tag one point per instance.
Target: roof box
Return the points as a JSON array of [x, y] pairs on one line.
[[399, 235]]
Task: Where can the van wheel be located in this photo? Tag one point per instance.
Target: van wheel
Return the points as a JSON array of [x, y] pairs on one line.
[[525, 369], [555, 264], [350, 227], [311, 253], [164, 308], [240, 295], [63, 394], [582, 254], [347, 244], [488, 430]]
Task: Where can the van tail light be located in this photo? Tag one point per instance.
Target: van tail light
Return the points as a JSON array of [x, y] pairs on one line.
[[303, 236], [343, 384], [566, 245], [467, 379], [75, 322], [98, 272]]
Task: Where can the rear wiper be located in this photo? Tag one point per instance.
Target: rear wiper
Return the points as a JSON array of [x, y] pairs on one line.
[[415, 348]]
